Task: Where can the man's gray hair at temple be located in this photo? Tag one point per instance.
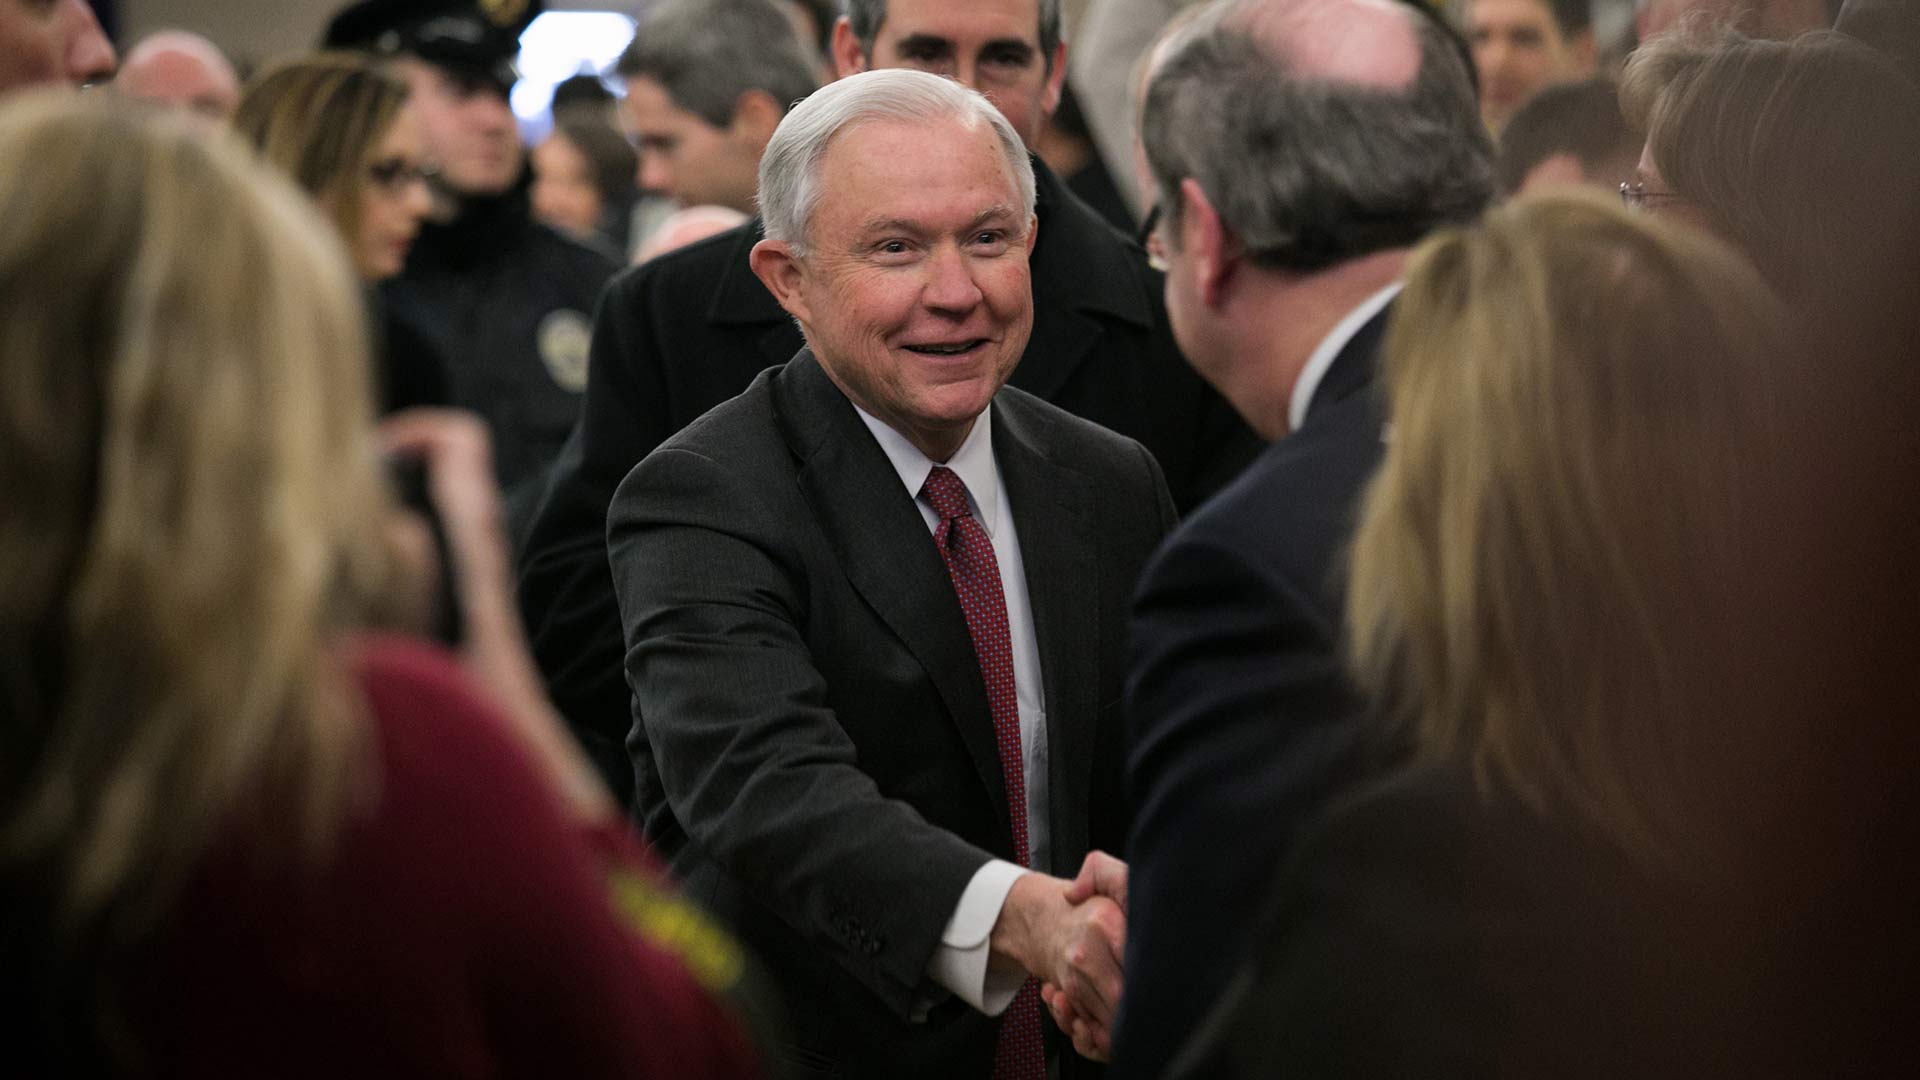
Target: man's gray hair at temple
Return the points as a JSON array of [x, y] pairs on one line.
[[789, 170], [1310, 171]]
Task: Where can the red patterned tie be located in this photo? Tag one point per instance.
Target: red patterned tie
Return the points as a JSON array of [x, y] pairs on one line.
[[968, 551]]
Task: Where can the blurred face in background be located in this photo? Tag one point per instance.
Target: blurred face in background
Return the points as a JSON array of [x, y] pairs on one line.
[[1519, 48], [50, 41], [393, 199], [992, 46], [564, 194], [180, 72], [469, 132], [690, 160]]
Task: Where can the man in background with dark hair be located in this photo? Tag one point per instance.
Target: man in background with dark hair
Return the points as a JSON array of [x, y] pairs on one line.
[[690, 329], [706, 85], [1573, 133], [1301, 149], [1520, 46], [503, 298]]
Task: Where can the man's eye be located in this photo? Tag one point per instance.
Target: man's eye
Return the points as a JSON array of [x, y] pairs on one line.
[[989, 237], [1006, 58], [893, 247]]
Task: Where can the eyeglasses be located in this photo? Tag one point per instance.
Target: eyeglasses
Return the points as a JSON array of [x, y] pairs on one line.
[[1145, 238], [394, 175], [1635, 196]]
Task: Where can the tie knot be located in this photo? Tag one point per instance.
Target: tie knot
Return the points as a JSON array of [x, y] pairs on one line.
[[946, 492]]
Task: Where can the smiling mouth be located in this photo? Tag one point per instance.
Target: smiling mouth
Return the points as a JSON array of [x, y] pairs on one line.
[[957, 348]]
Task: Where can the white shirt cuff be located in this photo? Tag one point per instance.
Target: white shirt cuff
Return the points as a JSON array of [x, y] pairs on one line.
[[960, 961]]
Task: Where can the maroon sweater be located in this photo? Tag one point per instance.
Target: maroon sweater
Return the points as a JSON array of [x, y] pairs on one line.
[[465, 926]]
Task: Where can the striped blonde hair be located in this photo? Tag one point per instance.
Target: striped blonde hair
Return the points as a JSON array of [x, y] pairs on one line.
[[1581, 406], [188, 494]]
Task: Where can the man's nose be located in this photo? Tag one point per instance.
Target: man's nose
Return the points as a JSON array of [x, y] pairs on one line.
[[950, 283], [655, 174], [492, 112], [89, 54]]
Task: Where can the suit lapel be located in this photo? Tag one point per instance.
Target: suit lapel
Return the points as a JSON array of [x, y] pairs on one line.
[[886, 551], [1353, 368], [1053, 514], [739, 299], [1077, 275]]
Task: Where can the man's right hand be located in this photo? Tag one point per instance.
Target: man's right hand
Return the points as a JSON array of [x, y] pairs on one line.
[[1074, 948], [1100, 875]]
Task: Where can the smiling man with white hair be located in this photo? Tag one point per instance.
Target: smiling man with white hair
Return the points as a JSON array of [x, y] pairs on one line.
[[872, 611]]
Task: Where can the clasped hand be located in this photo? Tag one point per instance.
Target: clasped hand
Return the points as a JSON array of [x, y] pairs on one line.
[[1071, 935]]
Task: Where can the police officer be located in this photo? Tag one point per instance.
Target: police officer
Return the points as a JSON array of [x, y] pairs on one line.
[[507, 301]]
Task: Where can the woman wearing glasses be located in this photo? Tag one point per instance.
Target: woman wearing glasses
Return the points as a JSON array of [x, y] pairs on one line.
[[1803, 153], [342, 129]]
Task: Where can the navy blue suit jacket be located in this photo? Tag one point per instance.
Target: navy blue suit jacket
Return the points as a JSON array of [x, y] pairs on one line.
[[1239, 720]]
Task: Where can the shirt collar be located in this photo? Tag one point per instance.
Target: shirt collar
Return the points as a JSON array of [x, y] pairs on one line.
[[1329, 349], [973, 463]]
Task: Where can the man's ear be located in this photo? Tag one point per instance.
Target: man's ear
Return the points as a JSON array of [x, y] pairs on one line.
[[782, 272], [1204, 237], [1033, 232], [1056, 79], [755, 115], [848, 58]]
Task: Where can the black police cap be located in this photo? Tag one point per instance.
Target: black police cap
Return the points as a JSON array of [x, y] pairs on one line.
[[473, 37]]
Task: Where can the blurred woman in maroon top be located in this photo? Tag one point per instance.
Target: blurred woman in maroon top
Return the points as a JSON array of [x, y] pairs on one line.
[[241, 833]]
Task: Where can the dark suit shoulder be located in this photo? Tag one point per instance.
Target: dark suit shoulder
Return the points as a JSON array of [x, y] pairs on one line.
[[1296, 504], [1087, 264], [741, 432], [684, 274], [1070, 440]]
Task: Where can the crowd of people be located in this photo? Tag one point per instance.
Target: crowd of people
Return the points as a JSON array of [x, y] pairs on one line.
[[1417, 581]]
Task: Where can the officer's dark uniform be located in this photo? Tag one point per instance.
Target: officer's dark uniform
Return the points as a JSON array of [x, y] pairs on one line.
[[504, 299]]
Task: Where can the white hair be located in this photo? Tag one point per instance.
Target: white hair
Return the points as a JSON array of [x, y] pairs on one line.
[[790, 168]]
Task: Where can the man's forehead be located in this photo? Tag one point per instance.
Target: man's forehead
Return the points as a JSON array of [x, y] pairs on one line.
[[952, 20], [851, 155]]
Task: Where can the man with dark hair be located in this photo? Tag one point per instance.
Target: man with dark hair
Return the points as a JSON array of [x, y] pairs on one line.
[[1301, 148], [1573, 133], [502, 297], [688, 330], [1520, 46], [51, 43], [706, 85]]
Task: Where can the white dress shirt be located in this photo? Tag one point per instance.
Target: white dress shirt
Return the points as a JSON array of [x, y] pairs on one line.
[[1329, 348], [959, 963]]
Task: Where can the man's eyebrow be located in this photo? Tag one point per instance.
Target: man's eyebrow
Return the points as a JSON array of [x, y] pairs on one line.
[[994, 213], [927, 42], [1000, 211], [889, 225], [1020, 46]]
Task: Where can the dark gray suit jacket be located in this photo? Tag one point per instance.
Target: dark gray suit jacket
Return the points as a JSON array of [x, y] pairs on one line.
[[813, 746]]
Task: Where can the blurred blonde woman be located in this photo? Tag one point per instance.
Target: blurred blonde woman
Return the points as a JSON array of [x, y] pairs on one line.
[[342, 129], [241, 833], [1549, 605]]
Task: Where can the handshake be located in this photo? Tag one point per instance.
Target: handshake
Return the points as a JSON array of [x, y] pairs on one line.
[[1072, 936]]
